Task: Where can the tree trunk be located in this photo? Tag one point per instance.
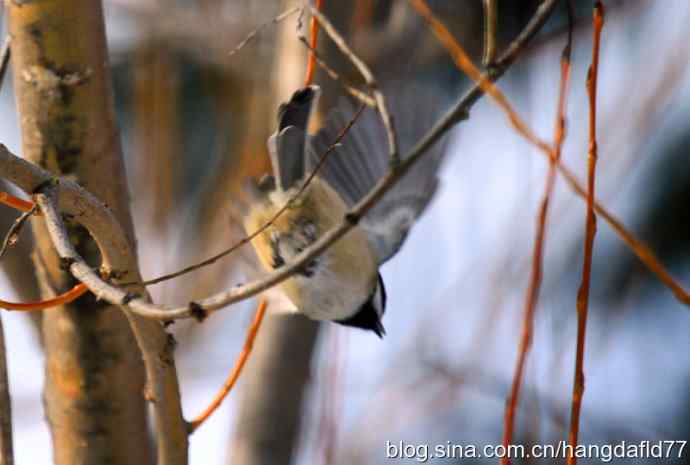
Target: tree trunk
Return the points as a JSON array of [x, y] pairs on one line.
[[273, 386], [94, 374]]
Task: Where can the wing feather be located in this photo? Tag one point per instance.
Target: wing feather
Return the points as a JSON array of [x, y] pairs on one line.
[[287, 146], [361, 159]]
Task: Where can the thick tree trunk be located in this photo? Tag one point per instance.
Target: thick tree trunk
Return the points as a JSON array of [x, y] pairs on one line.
[[94, 373]]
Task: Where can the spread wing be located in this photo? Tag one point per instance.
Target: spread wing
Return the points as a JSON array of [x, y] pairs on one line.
[[361, 159]]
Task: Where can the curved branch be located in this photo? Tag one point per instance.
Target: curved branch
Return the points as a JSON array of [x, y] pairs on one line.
[[162, 388], [28, 176], [118, 260]]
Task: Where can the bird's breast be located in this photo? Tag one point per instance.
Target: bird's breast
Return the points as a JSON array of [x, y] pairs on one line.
[[336, 283]]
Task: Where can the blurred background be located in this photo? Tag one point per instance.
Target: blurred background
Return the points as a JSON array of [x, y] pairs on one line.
[[194, 122]]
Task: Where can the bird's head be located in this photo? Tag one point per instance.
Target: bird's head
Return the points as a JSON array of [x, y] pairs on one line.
[[368, 316]]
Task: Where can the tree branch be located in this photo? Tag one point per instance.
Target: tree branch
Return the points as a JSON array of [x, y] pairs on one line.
[[156, 345], [369, 79], [101, 223], [118, 261], [70, 192], [94, 372]]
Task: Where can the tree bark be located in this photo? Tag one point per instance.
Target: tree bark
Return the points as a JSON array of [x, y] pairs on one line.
[[94, 374]]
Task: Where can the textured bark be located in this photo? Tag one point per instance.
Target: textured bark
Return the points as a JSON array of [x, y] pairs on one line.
[[94, 374], [273, 387]]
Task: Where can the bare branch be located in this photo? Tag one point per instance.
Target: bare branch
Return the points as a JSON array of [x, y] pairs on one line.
[[582, 303], [117, 262], [256, 31], [156, 345], [333, 74], [490, 22], [534, 287], [12, 235], [245, 240], [28, 176], [4, 59], [368, 76]]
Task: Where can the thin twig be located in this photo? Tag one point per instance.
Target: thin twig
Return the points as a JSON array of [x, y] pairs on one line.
[[369, 79], [103, 225], [236, 369], [162, 389], [118, 263], [350, 88], [16, 202], [271, 220], [314, 34], [4, 59], [463, 61], [538, 252], [256, 31], [63, 299], [12, 235], [6, 450], [27, 176], [490, 23], [583, 292]]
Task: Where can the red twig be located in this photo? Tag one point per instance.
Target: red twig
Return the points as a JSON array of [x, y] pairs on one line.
[[314, 34], [463, 61], [583, 293], [65, 298], [641, 250], [16, 202], [69, 296], [236, 369], [537, 257]]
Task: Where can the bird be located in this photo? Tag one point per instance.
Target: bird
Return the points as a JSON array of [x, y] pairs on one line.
[[343, 284]]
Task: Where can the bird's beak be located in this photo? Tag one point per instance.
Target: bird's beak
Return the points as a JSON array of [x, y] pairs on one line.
[[379, 329]]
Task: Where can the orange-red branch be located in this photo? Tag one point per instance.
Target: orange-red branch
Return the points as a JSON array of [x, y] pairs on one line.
[[16, 202], [463, 61], [537, 258], [69, 296], [314, 34], [236, 370], [583, 293]]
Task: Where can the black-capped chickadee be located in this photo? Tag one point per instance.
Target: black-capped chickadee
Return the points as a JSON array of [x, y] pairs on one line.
[[343, 284]]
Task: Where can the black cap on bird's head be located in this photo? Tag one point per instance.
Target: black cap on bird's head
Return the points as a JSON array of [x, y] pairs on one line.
[[369, 315]]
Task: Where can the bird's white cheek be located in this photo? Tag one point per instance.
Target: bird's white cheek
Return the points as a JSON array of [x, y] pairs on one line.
[[328, 295]]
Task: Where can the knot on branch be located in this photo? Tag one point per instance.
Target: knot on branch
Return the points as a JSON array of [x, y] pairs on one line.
[[110, 275], [352, 218], [198, 312], [130, 296], [42, 186], [66, 263]]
